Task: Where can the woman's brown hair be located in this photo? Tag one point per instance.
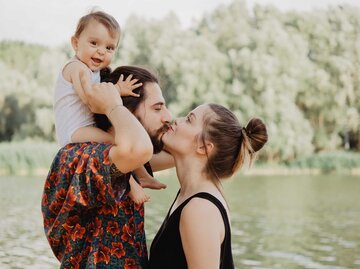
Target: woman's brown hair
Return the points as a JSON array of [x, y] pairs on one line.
[[233, 144]]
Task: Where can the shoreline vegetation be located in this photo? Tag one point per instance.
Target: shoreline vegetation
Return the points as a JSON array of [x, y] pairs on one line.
[[34, 158], [297, 71]]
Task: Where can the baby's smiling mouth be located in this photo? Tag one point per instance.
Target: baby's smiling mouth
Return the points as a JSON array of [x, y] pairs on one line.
[[98, 61]]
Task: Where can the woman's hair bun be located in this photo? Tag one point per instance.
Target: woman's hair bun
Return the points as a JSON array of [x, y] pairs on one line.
[[256, 133]]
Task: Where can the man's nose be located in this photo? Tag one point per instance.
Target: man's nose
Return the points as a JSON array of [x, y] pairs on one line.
[[166, 116]]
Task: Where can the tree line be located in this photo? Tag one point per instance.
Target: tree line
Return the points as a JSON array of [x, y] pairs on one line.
[[298, 71]]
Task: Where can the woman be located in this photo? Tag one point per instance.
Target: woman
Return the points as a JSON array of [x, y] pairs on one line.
[[208, 146]]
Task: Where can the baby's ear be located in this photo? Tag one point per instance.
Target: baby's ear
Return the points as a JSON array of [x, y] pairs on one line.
[[205, 148], [74, 42]]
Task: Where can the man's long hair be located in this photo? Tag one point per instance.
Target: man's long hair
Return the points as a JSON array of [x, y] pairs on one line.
[[130, 102]]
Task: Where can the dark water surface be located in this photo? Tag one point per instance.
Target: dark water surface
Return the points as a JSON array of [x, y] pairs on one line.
[[277, 221]]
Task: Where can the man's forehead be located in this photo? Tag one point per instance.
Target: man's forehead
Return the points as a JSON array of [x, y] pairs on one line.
[[153, 94]]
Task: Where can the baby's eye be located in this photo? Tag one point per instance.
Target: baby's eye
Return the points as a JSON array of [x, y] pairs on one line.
[[93, 43], [109, 48]]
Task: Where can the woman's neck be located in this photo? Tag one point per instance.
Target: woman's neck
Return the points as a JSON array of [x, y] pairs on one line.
[[191, 176]]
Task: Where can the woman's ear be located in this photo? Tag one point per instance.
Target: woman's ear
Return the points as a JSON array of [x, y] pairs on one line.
[[74, 42], [204, 149]]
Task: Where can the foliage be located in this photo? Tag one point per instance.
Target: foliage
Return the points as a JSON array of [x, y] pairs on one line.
[[27, 74], [330, 161], [299, 71]]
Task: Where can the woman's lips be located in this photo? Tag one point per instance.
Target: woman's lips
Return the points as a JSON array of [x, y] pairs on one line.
[[170, 128], [164, 129]]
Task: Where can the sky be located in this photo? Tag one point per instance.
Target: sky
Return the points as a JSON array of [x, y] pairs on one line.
[[52, 22]]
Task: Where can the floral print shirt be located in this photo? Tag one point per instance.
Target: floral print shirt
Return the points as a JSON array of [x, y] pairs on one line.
[[88, 219]]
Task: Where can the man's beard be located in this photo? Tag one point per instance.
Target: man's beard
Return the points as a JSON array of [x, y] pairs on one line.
[[156, 139]]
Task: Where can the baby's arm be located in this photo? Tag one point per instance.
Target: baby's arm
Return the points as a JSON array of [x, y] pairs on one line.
[[71, 73], [137, 193]]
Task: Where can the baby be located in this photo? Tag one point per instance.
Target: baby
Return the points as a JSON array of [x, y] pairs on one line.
[[94, 42]]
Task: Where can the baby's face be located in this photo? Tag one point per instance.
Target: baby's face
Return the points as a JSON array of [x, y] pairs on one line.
[[95, 46]]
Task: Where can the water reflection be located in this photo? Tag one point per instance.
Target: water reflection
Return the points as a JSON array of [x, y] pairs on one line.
[[277, 222], [22, 240], [298, 222]]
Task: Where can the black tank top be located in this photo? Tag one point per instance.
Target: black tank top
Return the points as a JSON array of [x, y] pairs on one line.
[[166, 249]]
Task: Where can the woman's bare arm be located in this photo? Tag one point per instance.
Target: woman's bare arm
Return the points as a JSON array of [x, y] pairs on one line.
[[202, 232]]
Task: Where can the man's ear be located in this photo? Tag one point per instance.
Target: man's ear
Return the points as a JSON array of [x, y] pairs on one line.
[[202, 148], [74, 42]]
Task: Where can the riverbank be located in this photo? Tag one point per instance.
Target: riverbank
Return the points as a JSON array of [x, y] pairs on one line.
[[284, 171], [34, 158], [276, 171]]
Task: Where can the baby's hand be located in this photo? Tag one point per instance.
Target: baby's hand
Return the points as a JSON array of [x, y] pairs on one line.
[[126, 87]]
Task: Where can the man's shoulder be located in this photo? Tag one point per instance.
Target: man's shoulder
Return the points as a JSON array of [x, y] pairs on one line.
[[92, 148]]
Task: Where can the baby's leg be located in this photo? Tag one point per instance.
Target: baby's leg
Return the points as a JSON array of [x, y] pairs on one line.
[[91, 134], [147, 181], [137, 193]]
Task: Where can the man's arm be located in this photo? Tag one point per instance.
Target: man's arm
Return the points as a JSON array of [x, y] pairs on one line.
[[132, 146], [161, 161]]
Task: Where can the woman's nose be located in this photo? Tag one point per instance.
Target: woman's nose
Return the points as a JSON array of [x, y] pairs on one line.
[[179, 120]]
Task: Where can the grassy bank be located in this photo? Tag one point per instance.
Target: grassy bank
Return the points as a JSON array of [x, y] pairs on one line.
[[330, 162], [25, 158], [339, 162]]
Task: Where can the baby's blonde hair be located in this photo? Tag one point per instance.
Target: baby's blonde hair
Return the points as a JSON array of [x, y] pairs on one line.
[[105, 19]]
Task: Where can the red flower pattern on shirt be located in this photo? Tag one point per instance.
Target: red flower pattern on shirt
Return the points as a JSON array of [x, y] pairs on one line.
[[86, 225]]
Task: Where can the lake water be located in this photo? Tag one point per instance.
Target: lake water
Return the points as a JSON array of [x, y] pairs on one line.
[[277, 221]]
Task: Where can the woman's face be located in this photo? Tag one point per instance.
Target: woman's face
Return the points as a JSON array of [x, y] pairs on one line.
[[184, 135]]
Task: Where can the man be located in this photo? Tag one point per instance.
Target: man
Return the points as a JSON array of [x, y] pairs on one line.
[[88, 220]]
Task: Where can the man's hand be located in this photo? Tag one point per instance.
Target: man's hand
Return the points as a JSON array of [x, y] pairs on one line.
[[127, 86], [102, 97]]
